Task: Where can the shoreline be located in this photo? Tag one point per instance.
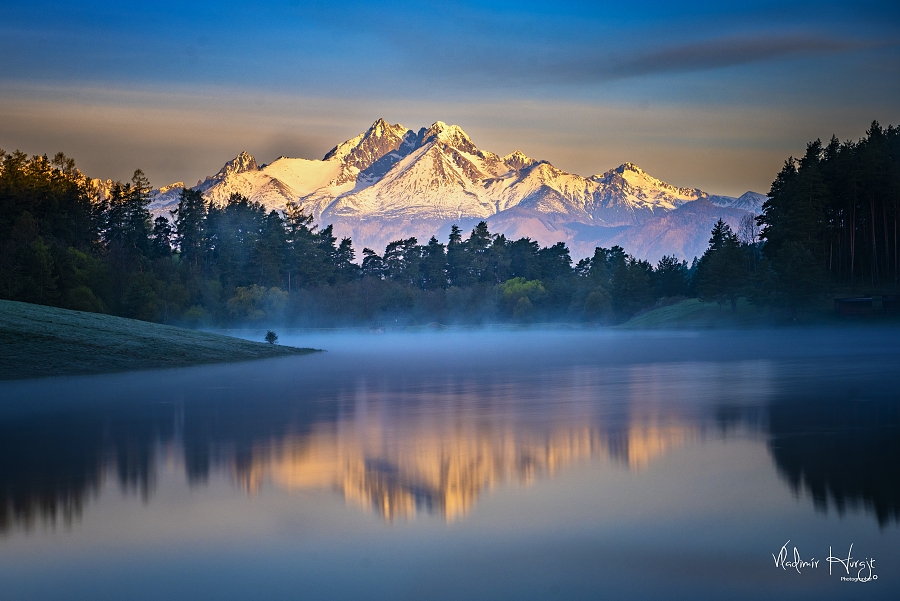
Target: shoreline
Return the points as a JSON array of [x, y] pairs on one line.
[[37, 341]]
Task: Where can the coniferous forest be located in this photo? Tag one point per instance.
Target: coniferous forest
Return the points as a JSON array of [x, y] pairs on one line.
[[830, 227]]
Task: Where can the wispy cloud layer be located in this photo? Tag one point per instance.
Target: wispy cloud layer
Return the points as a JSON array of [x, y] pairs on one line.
[[719, 53], [177, 88], [583, 64]]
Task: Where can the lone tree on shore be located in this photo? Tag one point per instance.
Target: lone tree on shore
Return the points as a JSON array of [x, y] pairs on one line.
[[271, 337]]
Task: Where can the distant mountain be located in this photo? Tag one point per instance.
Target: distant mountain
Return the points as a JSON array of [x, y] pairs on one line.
[[683, 232], [166, 198], [242, 163], [748, 201], [391, 182]]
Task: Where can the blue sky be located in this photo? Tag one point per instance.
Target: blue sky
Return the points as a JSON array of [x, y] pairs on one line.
[[707, 94]]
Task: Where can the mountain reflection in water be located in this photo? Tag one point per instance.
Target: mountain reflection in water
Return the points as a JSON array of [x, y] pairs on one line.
[[438, 449], [400, 439], [442, 473]]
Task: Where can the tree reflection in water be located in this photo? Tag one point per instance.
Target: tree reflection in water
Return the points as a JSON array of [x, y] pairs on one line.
[[434, 441], [843, 450]]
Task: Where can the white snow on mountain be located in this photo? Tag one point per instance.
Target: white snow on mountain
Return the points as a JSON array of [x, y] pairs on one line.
[[165, 199], [242, 163], [391, 182]]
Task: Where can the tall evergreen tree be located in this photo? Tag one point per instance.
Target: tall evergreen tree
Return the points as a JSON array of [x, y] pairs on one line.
[[840, 203], [234, 231], [457, 272], [190, 221], [137, 215], [555, 262], [372, 265], [524, 261], [670, 278], [401, 261], [721, 274], [433, 267], [347, 270], [477, 249], [305, 259], [161, 238], [270, 257]]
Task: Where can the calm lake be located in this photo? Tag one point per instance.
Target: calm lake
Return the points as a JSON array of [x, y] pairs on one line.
[[466, 465]]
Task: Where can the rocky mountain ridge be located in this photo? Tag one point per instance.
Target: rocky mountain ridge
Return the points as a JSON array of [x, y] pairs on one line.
[[391, 182]]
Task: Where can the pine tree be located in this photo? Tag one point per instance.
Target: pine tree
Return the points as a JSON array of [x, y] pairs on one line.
[[721, 274], [347, 270], [326, 252], [433, 267], [190, 220], [305, 261], [270, 255], [138, 222], [670, 278], [372, 265], [555, 262], [630, 286], [401, 261], [457, 272], [161, 238], [524, 259], [234, 232], [477, 247]]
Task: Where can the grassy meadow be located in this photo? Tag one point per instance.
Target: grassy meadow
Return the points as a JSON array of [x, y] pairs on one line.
[[37, 341]]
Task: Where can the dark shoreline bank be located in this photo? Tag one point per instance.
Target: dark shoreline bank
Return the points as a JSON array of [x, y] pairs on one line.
[[38, 341]]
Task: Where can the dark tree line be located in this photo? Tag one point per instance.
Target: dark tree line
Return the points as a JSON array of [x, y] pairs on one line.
[[835, 211], [830, 224], [66, 244]]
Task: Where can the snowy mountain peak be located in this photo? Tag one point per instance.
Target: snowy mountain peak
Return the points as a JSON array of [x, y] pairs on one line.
[[629, 167], [379, 131], [101, 188], [518, 160], [630, 177], [751, 198], [451, 135], [240, 164], [390, 182], [176, 186], [366, 151], [748, 201]]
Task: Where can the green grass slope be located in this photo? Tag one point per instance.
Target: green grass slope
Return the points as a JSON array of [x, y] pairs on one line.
[[691, 313], [38, 341]]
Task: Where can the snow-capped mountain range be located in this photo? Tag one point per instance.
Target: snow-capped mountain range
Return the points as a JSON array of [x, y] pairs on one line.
[[391, 182]]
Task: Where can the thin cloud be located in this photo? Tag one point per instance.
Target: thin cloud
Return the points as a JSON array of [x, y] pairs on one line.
[[720, 53], [586, 62], [700, 56]]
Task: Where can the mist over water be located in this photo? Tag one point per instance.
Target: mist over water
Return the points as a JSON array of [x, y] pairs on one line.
[[462, 464]]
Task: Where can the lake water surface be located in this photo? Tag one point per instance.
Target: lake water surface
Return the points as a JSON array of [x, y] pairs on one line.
[[466, 465]]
